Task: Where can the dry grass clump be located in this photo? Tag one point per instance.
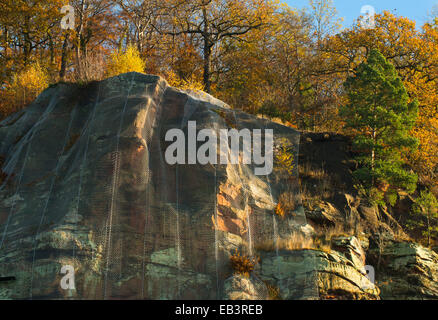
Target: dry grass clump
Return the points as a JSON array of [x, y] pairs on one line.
[[338, 230], [306, 171], [321, 241], [243, 264], [318, 184], [273, 292], [313, 193], [286, 205]]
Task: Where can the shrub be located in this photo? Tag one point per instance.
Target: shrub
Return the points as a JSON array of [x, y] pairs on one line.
[[25, 87], [191, 83], [93, 67], [284, 159], [243, 265], [279, 210], [270, 110], [123, 62], [286, 205], [373, 196], [273, 292]]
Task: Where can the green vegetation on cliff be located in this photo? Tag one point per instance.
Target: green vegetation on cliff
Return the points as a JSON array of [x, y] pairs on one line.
[[381, 117]]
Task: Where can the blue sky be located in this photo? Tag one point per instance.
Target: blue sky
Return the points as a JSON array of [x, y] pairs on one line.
[[350, 9]]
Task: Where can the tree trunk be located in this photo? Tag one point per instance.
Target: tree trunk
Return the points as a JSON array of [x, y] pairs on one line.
[[207, 66], [207, 53], [428, 229], [6, 40], [52, 50], [79, 35], [373, 155], [27, 42], [63, 59]]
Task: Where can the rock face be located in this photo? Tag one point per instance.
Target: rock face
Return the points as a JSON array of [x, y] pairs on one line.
[[240, 287], [407, 271], [87, 185], [315, 274]]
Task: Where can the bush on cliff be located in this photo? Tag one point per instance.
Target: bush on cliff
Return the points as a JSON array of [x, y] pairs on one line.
[[125, 61]]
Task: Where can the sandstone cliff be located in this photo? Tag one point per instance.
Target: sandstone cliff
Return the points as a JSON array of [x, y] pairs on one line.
[[84, 183]]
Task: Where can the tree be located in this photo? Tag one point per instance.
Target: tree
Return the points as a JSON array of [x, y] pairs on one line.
[[139, 16], [28, 24], [414, 53], [266, 72], [213, 21], [94, 23], [325, 23], [381, 117], [325, 19]]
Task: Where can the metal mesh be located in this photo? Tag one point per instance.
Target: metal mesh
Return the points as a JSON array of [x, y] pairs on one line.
[[134, 227]]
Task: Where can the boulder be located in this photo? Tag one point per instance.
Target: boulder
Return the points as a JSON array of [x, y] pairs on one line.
[[240, 287], [316, 274], [406, 271], [325, 214]]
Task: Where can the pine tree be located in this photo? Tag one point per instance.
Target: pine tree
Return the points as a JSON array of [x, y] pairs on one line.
[[381, 117]]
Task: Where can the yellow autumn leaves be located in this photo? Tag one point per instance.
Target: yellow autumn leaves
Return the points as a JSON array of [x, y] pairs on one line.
[[24, 88], [125, 61]]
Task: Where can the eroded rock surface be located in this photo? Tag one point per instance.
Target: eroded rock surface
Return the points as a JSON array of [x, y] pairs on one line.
[[406, 271], [87, 185], [84, 183], [316, 274]]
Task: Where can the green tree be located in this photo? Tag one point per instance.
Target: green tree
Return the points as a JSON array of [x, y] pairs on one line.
[[424, 215], [381, 117]]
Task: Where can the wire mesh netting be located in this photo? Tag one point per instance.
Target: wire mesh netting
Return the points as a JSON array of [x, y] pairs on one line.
[[88, 185]]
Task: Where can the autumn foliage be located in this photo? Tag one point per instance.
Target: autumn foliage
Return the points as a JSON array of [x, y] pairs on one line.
[[242, 264], [123, 62], [24, 88]]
